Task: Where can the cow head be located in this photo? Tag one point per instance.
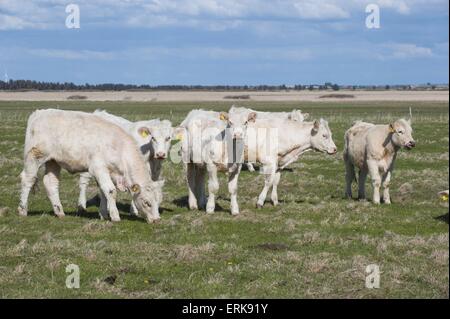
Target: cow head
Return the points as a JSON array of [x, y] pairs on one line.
[[147, 199], [161, 139], [401, 134], [237, 123], [297, 115], [321, 137]]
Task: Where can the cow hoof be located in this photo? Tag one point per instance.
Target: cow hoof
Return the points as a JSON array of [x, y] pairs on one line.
[[81, 210], [115, 219], [210, 208], [234, 213], [60, 215], [258, 205], [22, 211]]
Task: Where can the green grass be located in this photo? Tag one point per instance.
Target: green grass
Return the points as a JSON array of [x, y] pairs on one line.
[[315, 244]]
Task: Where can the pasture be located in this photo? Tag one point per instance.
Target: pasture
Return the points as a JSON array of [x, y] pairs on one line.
[[316, 244]]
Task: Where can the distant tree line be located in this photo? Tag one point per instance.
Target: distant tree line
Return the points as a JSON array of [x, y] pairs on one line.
[[44, 86], [23, 85]]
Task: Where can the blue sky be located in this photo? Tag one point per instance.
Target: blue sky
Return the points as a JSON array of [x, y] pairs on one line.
[[238, 42]]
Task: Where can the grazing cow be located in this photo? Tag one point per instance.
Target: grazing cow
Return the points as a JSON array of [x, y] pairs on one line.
[[294, 115], [153, 138], [81, 142], [208, 146], [373, 149], [277, 142]]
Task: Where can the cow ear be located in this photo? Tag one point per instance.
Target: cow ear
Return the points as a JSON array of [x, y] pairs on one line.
[[135, 189], [178, 133], [252, 117], [391, 128], [144, 132], [223, 116], [316, 125]]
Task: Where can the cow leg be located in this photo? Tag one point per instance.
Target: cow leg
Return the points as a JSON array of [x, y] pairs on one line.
[[376, 180], [200, 187], [362, 176], [51, 183], [349, 178], [191, 179], [213, 188], [250, 167], [133, 209], [276, 181], [28, 178], [103, 207], [269, 173], [155, 168], [232, 189], [108, 194], [83, 184], [385, 183]]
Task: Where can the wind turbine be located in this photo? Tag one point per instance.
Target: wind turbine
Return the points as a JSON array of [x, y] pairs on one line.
[[6, 76]]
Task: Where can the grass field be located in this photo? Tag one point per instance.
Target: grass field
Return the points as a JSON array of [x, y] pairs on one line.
[[315, 244]]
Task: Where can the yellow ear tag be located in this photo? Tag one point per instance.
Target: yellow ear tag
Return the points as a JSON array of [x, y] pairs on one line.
[[135, 188], [391, 129], [444, 198], [222, 117], [144, 134], [179, 136]]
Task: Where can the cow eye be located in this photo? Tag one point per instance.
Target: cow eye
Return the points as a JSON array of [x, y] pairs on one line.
[[325, 135], [168, 138], [400, 132]]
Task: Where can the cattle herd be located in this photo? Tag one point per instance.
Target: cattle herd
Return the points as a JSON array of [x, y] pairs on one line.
[[127, 156]]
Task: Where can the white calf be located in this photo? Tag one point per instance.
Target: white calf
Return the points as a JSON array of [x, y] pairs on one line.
[[373, 150], [208, 147]]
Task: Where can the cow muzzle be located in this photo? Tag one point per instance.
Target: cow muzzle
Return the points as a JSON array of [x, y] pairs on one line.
[[332, 151], [160, 155], [410, 145]]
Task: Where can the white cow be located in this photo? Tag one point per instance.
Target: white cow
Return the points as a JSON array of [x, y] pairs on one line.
[[294, 115], [153, 138], [277, 142], [373, 149], [208, 147], [81, 142]]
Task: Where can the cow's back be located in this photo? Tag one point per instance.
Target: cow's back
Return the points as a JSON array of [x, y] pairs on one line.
[[355, 143], [74, 138]]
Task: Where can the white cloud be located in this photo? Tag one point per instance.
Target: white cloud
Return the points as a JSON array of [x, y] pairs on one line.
[[73, 54], [404, 51], [11, 23], [411, 51], [207, 14], [291, 54]]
